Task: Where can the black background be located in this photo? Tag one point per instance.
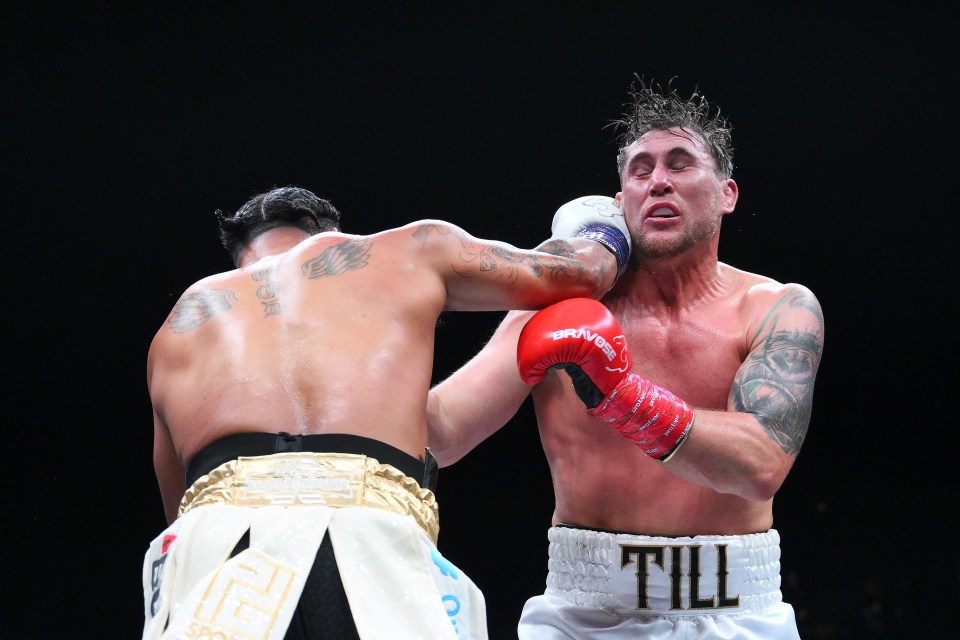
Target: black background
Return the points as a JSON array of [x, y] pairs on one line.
[[123, 130]]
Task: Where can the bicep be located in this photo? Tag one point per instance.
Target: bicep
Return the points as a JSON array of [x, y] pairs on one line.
[[776, 380]]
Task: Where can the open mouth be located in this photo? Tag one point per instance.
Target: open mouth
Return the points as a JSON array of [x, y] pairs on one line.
[[659, 213]]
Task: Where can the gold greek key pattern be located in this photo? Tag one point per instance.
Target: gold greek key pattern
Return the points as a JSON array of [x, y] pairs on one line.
[[246, 602]]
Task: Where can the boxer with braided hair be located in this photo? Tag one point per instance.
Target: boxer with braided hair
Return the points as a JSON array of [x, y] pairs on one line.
[[289, 410]]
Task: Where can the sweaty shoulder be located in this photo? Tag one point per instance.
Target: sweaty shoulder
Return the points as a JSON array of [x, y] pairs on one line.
[[422, 235], [448, 249], [426, 235], [206, 298], [328, 255], [760, 290], [771, 306]]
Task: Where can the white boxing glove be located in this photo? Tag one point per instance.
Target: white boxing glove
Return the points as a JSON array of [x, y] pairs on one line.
[[598, 218]]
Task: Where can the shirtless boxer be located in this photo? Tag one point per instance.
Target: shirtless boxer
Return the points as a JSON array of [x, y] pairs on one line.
[[664, 486], [289, 400]]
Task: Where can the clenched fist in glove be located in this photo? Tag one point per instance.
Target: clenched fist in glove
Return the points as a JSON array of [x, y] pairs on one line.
[[581, 336], [597, 218]]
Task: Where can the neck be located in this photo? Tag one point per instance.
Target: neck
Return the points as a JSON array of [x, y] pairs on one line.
[[271, 243], [670, 282]]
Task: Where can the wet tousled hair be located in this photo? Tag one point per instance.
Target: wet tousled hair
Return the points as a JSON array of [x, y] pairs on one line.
[[280, 207], [653, 108]]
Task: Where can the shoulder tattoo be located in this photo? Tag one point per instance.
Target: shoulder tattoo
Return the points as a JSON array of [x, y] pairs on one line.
[[775, 382], [193, 309], [348, 255]]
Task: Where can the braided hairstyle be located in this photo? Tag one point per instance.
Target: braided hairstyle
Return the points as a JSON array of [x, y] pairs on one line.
[[653, 108], [280, 207]]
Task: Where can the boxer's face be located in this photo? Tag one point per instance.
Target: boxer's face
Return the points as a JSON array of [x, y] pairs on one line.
[[672, 197]]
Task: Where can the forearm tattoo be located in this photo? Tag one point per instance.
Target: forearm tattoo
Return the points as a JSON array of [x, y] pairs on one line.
[[267, 292], [775, 382], [348, 255], [193, 309], [561, 248], [505, 259]]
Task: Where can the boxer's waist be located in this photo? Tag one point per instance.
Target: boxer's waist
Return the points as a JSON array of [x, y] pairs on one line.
[[260, 444], [304, 479], [656, 575]]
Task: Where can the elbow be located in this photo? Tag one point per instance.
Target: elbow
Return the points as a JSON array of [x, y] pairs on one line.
[[441, 450], [764, 470], [764, 484], [445, 457], [443, 447], [762, 489]]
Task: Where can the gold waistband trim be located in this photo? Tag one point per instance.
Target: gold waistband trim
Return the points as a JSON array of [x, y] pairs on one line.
[[315, 479]]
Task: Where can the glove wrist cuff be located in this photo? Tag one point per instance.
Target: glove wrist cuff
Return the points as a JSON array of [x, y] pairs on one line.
[[648, 415], [612, 238]]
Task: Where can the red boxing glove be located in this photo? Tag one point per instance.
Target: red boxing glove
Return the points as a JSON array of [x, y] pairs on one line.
[[577, 334], [581, 336]]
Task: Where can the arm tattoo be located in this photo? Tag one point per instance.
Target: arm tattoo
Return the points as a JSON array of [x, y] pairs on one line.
[[193, 309], [561, 248], [348, 255], [775, 382], [267, 292], [502, 258]]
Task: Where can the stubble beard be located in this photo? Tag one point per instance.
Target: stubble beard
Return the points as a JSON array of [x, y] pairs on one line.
[[648, 247]]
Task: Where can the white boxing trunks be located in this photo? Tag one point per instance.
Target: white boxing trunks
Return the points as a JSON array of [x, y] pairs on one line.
[[612, 586], [382, 526]]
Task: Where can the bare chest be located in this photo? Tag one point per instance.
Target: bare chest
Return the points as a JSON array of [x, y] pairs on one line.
[[696, 358]]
